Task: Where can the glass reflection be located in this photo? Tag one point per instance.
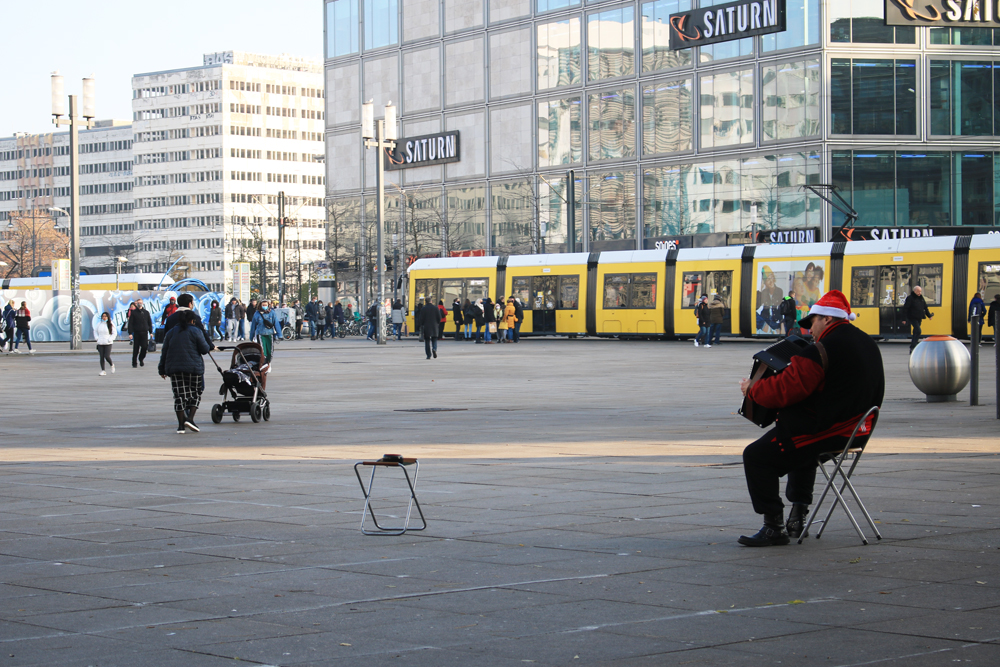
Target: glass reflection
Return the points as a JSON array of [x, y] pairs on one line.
[[381, 23], [802, 27], [656, 53], [341, 28], [559, 53], [559, 135], [612, 209], [726, 117], [791, 94], [611, 43], [612, 124], [666, 116]]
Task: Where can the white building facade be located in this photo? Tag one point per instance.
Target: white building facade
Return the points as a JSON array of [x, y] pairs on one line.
[[214, 147]]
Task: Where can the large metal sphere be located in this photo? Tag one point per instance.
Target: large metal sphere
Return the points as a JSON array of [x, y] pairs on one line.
[[940, 367]]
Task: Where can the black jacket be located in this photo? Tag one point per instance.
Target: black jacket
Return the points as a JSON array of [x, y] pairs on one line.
[[328, 314], [787, 309], [215, 316], [182, 351], [250, 311], [175, 319], [312, 311], [488, 313], [915, 308], [701, 312], [139, 322], [993, 313], [429, 318], [518, 310], [456, 313]]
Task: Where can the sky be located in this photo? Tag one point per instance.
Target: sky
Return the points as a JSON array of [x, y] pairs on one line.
[[114, 39]]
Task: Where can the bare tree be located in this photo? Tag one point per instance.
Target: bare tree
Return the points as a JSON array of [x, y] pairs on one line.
[[31, 240]]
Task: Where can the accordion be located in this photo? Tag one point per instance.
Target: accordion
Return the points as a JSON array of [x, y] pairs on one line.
[[766, 363]]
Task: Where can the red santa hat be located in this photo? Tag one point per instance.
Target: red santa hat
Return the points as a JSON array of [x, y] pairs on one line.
[[831, 304]]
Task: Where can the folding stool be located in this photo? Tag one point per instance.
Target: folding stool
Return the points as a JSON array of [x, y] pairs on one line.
[[390, 461], [838, 457]]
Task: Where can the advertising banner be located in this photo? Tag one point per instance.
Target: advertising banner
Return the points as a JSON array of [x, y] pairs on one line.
[[775, 279], [942, 13], [241, 281], [722, 23], [423, 151], [61, 274]]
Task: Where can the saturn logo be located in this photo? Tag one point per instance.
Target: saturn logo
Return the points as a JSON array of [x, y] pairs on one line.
[[678, 23]]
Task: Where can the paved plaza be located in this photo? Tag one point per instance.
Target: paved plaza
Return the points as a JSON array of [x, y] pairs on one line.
[[583, 500]]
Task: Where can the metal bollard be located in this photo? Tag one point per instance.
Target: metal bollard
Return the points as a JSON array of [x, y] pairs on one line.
[[974, 380]]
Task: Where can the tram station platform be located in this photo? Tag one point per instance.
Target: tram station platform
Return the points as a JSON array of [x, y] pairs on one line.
[[583, 500]]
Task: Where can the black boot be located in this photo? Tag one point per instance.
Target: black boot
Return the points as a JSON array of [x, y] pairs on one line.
[[771, 535], [797, 518], [189, 420], [180, 420]]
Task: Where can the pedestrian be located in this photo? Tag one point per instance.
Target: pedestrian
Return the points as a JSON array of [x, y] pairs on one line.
[[181, 359], [372, 316], [716, 316], [231, 323], [468, 319], [338, 317], [169, 310], [251, 310], [4, 331], [789, 311], [139, 327], [349, 312], [914, 311], [416, 320], [430, 320], [105, 332], [993, 316], [240, 313], [456, 316], [490, 318], [312, 317], [510, 316], [398, 318], [977, 308], [22, 316], [215, 321], [264, 328], [479, 317], [498, 309], [519, 314], [185, 302], [300, 315], [701, 312], [328, 321], [442, 318], [10, 325]]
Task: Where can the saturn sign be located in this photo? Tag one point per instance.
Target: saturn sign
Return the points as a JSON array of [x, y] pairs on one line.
[[423, 151], [722, 23]]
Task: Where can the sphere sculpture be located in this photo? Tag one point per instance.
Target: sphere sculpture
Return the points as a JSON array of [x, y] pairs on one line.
[[940, 367]]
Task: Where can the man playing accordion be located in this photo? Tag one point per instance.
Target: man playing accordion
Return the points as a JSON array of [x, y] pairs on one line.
[[819, 399]]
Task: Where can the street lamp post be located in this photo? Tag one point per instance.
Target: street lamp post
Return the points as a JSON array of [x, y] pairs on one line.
[[118, 270], [380, 135], [87, 113]]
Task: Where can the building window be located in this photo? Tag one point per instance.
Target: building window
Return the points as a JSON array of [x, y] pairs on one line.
[[726, 115], [559, 137], [559, 53], [862, 21], [341, 28], [802, 27], [666, 116], [873, 96], [612, 124], [790, 106], [550, 5], [612, 209], [611, 43], [656, 53], [962, 97], [963, 36], [381, 23]]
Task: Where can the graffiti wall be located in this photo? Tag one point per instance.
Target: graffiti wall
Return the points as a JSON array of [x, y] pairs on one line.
[[50, 310]]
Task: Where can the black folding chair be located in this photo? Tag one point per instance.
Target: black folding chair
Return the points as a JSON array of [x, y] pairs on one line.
[[838, 458]]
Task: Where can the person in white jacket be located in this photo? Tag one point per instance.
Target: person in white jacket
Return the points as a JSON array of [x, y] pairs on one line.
[[106, 333]]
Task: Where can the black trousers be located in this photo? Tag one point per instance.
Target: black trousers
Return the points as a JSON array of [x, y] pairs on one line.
[[916, 333], [140, 344], [765, 461], [430, 342]]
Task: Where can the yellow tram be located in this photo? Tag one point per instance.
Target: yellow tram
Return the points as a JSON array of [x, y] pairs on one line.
[[653, 293]]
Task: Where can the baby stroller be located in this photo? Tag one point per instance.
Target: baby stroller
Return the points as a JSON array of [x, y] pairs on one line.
[[244, 381]]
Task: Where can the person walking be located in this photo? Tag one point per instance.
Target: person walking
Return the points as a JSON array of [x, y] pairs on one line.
[[22, 316], [169, 310], [993, 316], [977, 308], [10, 324], [398, 319], [498, 309], [519, 314], [215, 321], [510, 316], [106, 332], [701, 312], [429, 318], [789, 311], [181, 359], [490, 318], [914, 311], [139, 328], [443, 319], [468, 318], [312, 317], [338, 317], [231, 323], [264, 328], [479, 316], [456, 316], [240, 313], [716, 316], [251, 310], [328, 321]]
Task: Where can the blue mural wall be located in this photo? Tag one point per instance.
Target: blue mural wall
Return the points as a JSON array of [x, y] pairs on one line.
[[50, 310]]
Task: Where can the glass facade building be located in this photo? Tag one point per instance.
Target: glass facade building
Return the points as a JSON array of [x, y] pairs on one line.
[[663, 144]]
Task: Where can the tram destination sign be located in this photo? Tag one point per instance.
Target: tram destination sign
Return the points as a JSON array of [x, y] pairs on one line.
[[942, 13], [423, 151], [722, 23]]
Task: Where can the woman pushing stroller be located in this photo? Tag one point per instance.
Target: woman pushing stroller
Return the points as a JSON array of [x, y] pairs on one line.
[[181, 359]]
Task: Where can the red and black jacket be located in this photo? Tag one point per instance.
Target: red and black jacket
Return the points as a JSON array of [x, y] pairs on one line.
[[818, 398]]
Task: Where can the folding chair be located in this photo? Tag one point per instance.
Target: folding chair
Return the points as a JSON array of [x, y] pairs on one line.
[[390, 461], [838, 457]]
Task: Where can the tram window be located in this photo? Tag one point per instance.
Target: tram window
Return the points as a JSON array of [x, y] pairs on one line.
[[642, 291], [929, 279], [426, 288], [521, 288], [477, 288], [693, 281], [543, 292], [864, 284], [451, 289], [711, 283], [569, 292], [616, 290], [989, 280]]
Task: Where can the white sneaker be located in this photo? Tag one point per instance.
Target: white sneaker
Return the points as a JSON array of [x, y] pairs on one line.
[[707, 345], [31, 351], [17, 351], [696, 344], [102, 373], [112, 369]]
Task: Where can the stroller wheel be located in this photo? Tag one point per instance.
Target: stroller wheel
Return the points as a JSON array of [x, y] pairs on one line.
[[236, 416], [266, 412], [217, 413], [255, 413]]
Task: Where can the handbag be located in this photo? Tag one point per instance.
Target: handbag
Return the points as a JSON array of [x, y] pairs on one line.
[[151, 346], [493, 327]]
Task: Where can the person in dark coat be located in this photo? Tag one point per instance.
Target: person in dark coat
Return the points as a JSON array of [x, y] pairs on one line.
[[251, 310], [977, 307], [22, 317], [181, 359], [429, 318], [215, 321], [789, 311], [338, 317], [820, 398], [993, 316], [139, 327], [442, 319], [328, 326], [488, 317], [416, 319], [519, 314], [704, 328], [456, 315], [479, 317], [914, 311], [11, 325], [185, 302]]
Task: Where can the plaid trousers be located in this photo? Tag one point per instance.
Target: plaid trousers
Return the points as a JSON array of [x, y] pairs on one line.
[[187, 389]]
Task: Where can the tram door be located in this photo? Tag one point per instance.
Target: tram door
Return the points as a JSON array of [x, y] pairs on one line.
[[543, 304], [895, 283]]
